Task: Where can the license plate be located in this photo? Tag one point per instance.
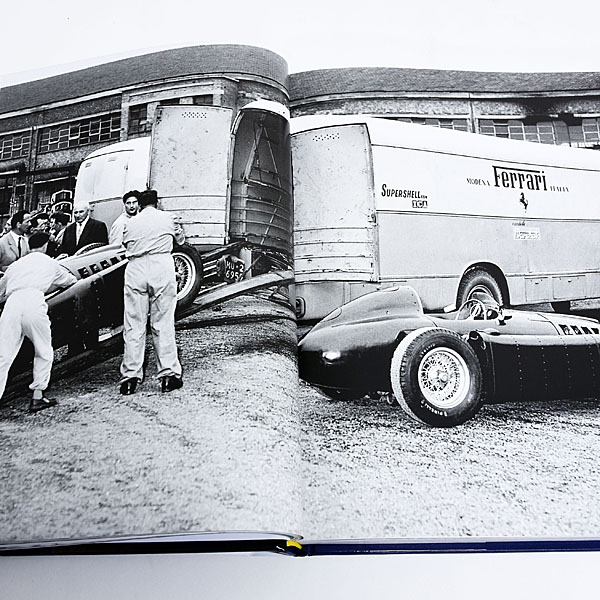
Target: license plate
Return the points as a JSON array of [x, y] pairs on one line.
[[234, 269]]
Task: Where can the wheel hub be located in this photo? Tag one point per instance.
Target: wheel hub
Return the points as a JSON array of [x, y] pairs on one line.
[[444, 378]]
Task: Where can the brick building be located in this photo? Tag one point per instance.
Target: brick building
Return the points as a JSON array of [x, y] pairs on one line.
[[48, 126], [555, 108]]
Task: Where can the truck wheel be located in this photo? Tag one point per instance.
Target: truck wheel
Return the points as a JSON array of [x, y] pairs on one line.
[[479, 280], [436, 377], [188, 271]]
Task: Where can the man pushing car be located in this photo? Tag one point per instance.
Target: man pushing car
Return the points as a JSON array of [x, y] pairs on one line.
[[25, 314]]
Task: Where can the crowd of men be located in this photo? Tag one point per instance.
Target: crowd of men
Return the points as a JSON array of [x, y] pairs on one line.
[[31, 248]]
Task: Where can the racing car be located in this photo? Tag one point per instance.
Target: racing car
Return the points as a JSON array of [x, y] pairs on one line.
[[95, 302], [441, 368]]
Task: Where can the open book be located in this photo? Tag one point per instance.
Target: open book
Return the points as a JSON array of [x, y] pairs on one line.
[[375, 227]]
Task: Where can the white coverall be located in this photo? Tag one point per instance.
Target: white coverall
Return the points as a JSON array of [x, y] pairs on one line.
[[150, 286], [25, 313], [115, 236]]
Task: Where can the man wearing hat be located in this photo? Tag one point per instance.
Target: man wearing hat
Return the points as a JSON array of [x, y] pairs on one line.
[[25, 314], [150, 287], [83, 231]]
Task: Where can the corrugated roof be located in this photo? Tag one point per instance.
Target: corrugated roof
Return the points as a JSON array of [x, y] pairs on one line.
[[310, 84], [194, 60]]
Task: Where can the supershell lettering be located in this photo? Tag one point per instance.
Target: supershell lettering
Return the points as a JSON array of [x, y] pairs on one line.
[[401, 193]]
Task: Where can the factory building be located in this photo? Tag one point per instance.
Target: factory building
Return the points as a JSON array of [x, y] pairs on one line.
[[48, 126], [553, 108]]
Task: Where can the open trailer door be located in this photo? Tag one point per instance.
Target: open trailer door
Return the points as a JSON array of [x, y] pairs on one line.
[[261, 185], [335, 228], [189, 168]]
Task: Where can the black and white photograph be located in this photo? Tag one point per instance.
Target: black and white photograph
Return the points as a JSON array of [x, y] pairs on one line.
[[326, 272]]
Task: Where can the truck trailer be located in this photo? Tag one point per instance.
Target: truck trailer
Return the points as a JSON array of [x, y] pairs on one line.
[[225, 175], [379, 202]]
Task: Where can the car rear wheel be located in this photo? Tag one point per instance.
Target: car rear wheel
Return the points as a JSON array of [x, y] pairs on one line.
[[479, 281], [188, 272], [436, 377]]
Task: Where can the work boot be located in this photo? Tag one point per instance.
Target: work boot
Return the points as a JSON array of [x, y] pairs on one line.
[[170, 383], [128, 386], [41, 404]]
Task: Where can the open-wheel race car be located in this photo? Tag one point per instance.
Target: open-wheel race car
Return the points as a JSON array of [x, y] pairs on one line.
[[441, 368], [80, 313]]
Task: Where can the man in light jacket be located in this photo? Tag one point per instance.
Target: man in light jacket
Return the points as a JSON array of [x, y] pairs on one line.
[[131, 208], [150, 287]]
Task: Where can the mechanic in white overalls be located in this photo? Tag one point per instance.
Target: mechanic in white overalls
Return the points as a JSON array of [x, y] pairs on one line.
[[25, 314], [150, 287]]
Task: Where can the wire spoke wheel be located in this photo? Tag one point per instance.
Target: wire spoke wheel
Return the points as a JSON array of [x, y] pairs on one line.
[[436, 377], [184, 273], [188, 274], [444, 378]]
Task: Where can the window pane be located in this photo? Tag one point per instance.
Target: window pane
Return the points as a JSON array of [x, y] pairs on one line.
[[79, 133]]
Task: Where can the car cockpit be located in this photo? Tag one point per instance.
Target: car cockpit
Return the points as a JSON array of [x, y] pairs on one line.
[[480, 306]]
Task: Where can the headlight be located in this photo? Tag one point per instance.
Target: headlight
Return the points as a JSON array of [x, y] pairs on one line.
[[331, 355]]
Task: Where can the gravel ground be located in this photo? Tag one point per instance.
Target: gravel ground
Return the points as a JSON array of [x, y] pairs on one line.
[[218, 454], [513, 470], [241, 447]]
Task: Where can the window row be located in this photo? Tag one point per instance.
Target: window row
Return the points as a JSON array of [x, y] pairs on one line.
[[456, 124], [584, 132], [14, 146], [88, 131], [578, 132]]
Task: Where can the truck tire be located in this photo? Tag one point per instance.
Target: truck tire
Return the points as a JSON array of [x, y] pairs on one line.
[[479, 280], [188, 271], [436, 377]]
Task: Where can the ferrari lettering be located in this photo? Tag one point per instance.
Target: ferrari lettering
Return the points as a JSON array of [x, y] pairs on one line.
[[99, 266], [521, 179]]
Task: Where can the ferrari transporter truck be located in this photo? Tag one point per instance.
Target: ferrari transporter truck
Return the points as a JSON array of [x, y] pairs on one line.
[[379, 202], [225, 176]]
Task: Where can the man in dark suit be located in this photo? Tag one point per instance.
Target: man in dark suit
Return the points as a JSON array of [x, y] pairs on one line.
[[83, 231], [13, 245], [58, 224]]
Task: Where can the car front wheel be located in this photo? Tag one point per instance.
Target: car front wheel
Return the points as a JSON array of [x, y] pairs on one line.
[[436, 377]]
